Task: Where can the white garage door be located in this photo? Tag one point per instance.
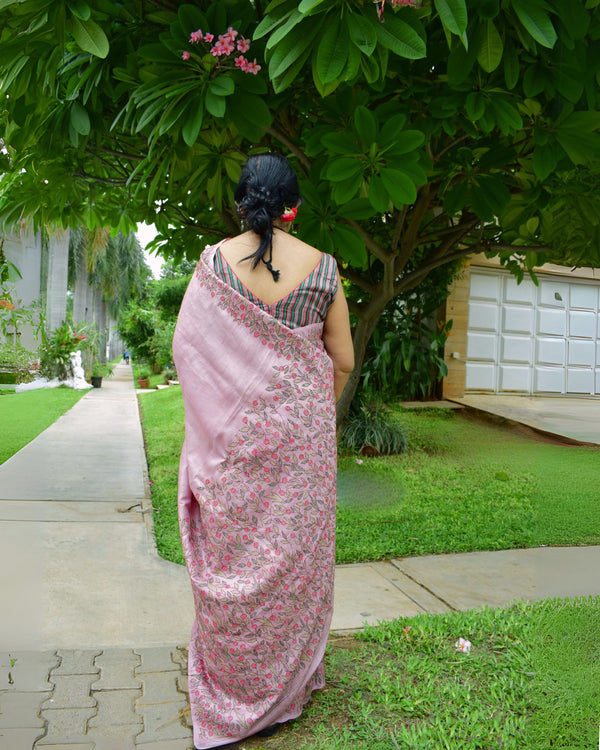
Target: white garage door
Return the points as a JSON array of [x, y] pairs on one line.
[[524, 338]]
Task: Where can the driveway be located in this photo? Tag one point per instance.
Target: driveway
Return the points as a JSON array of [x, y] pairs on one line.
[[576, 419]]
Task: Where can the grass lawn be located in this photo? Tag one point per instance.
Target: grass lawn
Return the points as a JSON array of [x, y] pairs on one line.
[[532, 678], [24, 415], [530, 682], [462, 485]]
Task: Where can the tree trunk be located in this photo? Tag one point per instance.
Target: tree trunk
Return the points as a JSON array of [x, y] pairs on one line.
[[361, 337]]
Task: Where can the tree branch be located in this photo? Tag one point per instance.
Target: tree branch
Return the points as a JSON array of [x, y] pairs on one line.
[[94, 178], [291, 146], [355, 277], [409, 239], [378, 250]]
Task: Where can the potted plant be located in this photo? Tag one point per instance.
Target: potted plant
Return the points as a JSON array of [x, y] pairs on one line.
[[143, 377], [100, 370]]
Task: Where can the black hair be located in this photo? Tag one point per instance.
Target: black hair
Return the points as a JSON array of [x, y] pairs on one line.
[[267, 185]]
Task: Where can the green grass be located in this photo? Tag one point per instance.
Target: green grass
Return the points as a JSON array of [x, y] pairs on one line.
[[163, 425], [24, 415], [530, 682], [461, 486]]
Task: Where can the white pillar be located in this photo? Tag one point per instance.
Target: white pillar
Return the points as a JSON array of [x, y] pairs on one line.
[[58, 272]]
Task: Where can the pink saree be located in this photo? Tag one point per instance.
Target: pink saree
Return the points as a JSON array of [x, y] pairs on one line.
[[257, 493]]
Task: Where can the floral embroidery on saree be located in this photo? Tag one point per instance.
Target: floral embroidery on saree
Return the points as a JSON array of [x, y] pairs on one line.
[[257, 508]]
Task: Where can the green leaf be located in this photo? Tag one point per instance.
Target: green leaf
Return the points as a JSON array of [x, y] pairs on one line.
[[362, 33], [291, 48], [191, 18], [250, 114], [215, 105], [370, 69], [80, 120], [350, 245], [79, 8], [512, 69], [342, 169], [332, 52], [455, 198], [496, 157], [453, 14], [570, 83], [193, 121], [399, 186], [490, 49], [293, 20], [282, 81], [507, 116], [391, 130], [359, 208], [581, 148], [537, 22], [271, 21], [353, 64], [345, 190], [585, 122], [339, 143], [221, 86], [475, 105], [366, 125], [460, 63], [400, 38], [407, 141], [378, 195], [306, 6], [157, 52], [90, 37], [489, 196]]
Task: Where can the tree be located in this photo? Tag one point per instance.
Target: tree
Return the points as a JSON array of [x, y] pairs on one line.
[[421, 134]]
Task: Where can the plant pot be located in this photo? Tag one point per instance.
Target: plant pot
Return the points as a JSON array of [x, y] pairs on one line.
[[96, 381], [144, 382]]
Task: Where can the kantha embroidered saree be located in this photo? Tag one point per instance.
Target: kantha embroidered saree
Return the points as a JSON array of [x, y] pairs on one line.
[[257, 492]]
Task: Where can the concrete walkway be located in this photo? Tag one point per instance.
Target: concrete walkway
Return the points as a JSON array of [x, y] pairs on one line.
[[98, 623]]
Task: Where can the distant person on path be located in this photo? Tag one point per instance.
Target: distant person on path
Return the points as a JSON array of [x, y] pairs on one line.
[[262, 349], [126, 356]]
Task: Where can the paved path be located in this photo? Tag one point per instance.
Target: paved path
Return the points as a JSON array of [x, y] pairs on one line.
[[576, 419], [96, 620]]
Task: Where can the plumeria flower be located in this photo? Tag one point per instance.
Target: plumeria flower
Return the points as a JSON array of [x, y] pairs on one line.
[[359, 461], [463, 646], [252, 67], [240, 62], [243, 45], [196, 36], [208, 38], [185, 55], [232, 32], [7, 304]]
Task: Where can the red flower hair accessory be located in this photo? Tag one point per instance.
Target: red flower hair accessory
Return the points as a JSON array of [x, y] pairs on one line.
[[289, 214]]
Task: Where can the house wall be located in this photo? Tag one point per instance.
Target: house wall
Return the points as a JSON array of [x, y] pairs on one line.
[[455, 351]]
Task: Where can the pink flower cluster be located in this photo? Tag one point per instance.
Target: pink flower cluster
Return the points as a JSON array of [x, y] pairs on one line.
[[226, 44]]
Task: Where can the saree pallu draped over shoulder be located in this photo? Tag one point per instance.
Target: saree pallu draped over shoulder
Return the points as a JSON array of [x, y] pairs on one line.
[[257, 493]]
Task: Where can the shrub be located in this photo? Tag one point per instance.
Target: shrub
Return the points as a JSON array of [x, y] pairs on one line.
[[161, 346], [373, 431], [15, 364], [55, 359]]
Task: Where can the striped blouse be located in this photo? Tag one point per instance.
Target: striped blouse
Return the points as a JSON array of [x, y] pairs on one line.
[[307, 303]]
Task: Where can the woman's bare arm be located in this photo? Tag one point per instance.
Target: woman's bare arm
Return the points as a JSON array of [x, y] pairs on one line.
[[338, 341]]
